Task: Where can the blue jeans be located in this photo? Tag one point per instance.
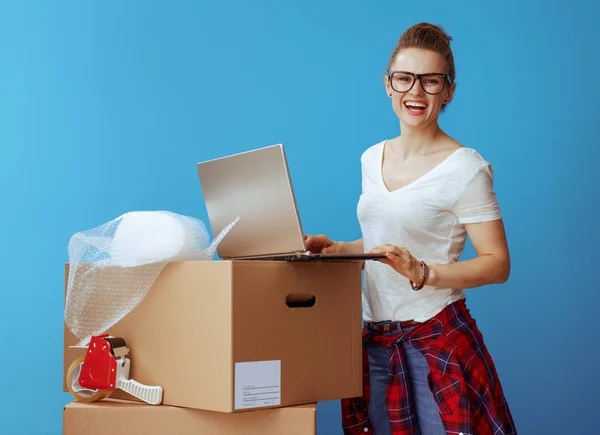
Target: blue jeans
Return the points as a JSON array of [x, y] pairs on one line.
[[428, 419]]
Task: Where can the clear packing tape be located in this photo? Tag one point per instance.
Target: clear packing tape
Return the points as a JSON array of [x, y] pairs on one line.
[[112, 266]]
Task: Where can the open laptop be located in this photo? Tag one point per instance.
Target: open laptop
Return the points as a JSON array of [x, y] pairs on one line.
[[256, 187]]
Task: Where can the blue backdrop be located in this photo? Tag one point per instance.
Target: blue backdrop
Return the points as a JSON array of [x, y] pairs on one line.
[[105, 107]]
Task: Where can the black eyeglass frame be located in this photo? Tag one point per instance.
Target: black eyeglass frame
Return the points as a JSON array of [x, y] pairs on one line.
[[419, 77]]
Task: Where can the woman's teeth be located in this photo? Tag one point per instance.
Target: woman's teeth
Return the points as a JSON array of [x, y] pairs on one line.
[[415, 107]]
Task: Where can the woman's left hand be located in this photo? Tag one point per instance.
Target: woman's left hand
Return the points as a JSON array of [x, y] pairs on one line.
[[401, 260]]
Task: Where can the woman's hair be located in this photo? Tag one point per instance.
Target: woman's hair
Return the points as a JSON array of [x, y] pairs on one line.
[[428, 37]]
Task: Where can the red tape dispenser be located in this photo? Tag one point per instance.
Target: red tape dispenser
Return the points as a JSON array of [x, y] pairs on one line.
[[105, 368]]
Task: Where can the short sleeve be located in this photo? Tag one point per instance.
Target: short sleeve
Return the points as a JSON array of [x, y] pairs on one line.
[[478, 202]]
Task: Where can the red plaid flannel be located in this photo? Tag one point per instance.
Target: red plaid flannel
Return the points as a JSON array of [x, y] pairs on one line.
[[464, 381]]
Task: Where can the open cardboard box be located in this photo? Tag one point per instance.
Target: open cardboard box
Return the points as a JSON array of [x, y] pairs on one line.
[[118, 417], [226, 335]]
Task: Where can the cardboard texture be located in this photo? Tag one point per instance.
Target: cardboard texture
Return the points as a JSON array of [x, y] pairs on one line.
[[220, 335], [131, 418]]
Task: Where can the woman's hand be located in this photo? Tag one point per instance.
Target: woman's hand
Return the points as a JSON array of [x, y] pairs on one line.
[[323, 244], [401, 260]]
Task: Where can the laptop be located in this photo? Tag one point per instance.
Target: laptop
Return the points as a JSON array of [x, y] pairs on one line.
[[255, 187]]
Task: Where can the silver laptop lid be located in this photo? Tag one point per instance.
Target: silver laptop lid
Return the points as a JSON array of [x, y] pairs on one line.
[[255, 186]]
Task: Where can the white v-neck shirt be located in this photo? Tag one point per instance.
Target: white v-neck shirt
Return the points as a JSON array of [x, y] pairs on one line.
[[427, 217]]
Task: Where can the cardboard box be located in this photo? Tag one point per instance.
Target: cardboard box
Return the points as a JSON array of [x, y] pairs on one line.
[[213, 334], [120, 418]]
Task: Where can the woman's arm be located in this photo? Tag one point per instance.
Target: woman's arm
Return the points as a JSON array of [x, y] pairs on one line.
[[491, 266]]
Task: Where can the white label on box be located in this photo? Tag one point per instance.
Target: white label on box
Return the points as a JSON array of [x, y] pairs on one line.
[[257, 384]]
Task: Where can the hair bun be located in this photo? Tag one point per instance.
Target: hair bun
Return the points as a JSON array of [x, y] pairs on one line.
[[428, 28]]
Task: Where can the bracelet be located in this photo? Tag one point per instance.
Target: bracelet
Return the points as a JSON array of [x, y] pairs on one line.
[[425, 272]]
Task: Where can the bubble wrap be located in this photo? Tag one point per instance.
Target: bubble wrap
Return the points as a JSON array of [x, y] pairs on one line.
[[112, 266]]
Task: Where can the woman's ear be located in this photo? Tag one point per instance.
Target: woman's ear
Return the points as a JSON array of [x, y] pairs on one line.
[[388, 88]]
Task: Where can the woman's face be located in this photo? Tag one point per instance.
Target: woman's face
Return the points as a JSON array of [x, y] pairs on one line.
[[417, 103]]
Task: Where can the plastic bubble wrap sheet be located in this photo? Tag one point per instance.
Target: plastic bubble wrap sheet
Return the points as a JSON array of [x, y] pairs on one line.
[[112, 266]]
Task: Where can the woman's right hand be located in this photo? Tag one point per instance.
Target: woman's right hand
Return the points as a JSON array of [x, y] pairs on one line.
[[323, 244]]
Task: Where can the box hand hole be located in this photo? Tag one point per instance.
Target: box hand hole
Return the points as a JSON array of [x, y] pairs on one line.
[[301, 300]]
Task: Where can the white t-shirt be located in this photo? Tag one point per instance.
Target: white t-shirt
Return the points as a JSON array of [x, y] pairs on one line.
[[427, 217]]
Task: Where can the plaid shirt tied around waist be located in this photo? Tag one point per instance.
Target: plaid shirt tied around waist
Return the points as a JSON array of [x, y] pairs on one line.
[[462, 378]]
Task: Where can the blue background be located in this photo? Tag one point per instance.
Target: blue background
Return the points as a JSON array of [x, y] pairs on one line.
[[105, 107]]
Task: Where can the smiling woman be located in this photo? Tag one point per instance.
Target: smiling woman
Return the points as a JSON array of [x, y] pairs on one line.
[[427, 369]]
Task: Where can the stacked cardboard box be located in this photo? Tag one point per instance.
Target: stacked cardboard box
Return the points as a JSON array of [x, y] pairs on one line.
[[121, 417], [231, 342]]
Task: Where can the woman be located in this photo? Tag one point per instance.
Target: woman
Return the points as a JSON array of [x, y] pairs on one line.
[[427, 370]]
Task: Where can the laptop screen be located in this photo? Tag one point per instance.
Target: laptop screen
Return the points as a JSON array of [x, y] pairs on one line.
[[256, 187]]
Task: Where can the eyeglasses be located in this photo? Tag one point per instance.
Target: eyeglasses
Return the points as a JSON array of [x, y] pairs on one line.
[[432, 83]]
